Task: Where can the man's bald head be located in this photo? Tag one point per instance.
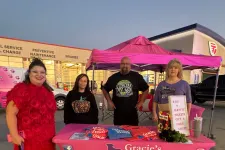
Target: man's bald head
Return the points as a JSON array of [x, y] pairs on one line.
[[125, 65], [125, 59]]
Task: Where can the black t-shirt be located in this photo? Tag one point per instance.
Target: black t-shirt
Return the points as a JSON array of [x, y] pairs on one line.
[[125, 90], [90, 117]]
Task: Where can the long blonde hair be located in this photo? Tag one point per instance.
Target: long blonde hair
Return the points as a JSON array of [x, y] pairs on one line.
[[177, 63]]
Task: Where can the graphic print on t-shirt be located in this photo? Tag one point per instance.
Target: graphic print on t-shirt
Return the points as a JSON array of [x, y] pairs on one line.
[[81, 99], [124, 88], [81, 106], [167, 91]]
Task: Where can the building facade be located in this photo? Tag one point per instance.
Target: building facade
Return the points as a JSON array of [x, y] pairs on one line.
[[63, 63], [194, 39]]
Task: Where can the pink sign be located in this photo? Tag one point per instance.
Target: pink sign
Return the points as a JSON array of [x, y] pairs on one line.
[[9, 77], [212, 48]]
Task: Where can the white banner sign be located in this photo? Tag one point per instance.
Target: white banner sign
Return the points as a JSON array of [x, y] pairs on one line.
[[179, 114]]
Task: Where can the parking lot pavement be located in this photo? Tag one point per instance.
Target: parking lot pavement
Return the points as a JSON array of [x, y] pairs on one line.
[[218, 124]]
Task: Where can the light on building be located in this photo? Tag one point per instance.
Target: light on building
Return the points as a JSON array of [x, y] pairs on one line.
[[48, 62], [69, 64]]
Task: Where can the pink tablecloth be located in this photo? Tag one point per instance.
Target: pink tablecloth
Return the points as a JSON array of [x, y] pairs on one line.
[[62, 140], [196, 110]]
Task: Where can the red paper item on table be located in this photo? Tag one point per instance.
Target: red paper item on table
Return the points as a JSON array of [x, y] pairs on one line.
[[98, 132], [164, 122], [140, 133]]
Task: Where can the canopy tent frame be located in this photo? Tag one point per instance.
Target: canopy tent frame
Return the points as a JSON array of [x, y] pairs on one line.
[[146, 55], [210, 134]]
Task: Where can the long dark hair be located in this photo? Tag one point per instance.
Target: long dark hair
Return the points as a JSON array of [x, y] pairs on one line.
[[36, 62], [76, 85]]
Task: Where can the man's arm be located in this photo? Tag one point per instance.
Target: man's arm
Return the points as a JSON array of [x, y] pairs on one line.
[[106, 89], [142, 86], [106, 94]]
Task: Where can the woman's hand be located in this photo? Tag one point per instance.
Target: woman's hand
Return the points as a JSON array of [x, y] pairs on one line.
[[17, 139], [155, 117]]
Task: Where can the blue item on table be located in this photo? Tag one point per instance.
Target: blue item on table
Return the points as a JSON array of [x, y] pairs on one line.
[[118, 133]]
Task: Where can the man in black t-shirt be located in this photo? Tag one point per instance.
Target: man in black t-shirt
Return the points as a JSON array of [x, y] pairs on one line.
[[126, 85]]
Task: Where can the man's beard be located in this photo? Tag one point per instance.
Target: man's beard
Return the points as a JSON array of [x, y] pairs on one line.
[[124, 71]]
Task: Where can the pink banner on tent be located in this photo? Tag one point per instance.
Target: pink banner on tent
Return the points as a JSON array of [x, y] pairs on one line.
[[62, 140]]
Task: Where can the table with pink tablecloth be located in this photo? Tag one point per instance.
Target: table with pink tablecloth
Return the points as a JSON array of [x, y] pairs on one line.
[[63, 141]]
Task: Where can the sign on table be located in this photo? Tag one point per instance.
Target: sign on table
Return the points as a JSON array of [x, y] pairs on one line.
[[179, 114]]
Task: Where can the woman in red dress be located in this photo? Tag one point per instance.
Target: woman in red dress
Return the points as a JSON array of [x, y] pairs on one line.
[[30, 111]]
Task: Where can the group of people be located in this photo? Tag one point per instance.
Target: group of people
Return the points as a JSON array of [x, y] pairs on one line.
[[31, 105]]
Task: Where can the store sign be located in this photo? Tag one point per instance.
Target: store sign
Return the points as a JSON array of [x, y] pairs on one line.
[[179, 113], [10, 49], [72, 57], [28, 50], [132, 147], [42, 53], [212, 48]]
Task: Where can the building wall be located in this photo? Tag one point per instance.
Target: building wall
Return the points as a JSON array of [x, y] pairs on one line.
[[18, 48], [192, 42], [182, 41], [63, 63], [201, 46]]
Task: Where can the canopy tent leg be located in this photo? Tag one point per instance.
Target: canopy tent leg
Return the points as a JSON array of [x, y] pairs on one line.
[[155, 81], [210, 134], [93, 77]]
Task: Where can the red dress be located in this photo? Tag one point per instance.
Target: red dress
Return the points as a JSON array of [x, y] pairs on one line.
[[35, 118]]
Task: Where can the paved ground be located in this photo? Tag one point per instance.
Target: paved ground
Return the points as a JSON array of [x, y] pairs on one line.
[[219, 122]]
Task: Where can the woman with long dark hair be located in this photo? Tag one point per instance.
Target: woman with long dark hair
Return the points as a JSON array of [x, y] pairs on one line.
[[30, 110], [80, 105]]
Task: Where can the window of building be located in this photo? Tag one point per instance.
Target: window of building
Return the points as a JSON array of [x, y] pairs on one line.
[[98, 77], [161, 77], [9, 61], [50, 66], [149, 76], [70, 71], [4, 61]]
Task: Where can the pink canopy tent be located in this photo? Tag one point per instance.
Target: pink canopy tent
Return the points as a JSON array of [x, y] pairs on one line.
[[110, 60], [148, 56], [104, 60], [134, 46], [139, 44]]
